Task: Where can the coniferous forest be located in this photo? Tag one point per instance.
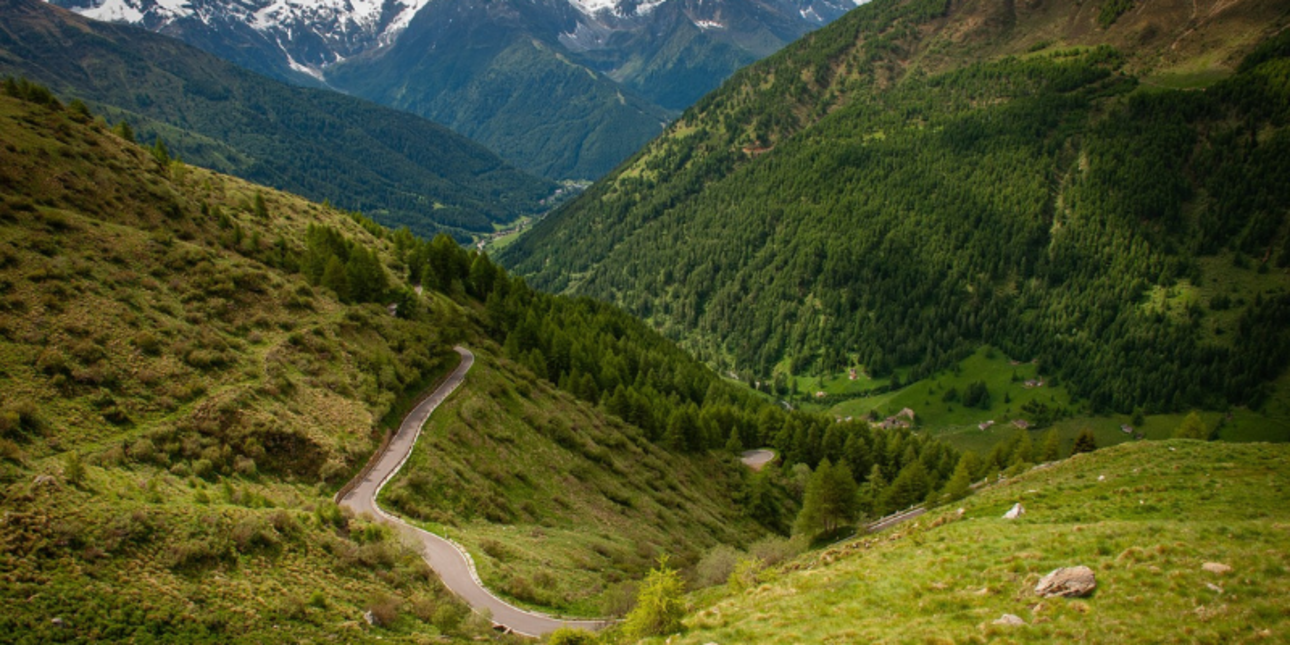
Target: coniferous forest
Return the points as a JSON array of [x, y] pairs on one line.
[[604, 356], [1035, 203]]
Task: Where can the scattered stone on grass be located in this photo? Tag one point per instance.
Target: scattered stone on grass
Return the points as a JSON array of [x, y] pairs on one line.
[[1014, 512], [1069, 582], [1216, 568], [1010, 619]]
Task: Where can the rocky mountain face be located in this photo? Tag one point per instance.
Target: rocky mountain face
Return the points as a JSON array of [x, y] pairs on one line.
[[564, 88]]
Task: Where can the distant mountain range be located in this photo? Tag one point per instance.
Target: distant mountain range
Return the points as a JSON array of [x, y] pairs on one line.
[[398, 168], [563, 88], [287, 39]]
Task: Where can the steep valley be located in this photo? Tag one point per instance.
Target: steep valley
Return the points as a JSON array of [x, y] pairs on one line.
[[183, 394]]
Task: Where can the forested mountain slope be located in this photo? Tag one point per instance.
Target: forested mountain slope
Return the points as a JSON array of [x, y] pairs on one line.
[[399, 168], [495, 72], [925, 176], [193, 365]]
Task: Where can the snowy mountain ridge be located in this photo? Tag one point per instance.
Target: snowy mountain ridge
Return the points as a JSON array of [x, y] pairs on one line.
[[565, 89], [347, 27], [311, 34]]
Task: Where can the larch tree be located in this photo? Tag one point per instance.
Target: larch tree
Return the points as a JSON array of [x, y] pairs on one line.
[[830, 500]]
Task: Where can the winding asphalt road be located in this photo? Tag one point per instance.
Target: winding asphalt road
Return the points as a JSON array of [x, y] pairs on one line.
[[447, 558]]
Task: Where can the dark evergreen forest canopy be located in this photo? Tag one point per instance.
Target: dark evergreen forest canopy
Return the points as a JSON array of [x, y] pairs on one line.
[[600, 354], [1031, 202]]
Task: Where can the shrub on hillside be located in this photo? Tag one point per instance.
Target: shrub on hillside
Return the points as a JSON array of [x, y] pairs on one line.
[[774, 549], [384, 608], [619, 599], [147, 342], [716, 566], [1192, 427], [10, 451], [744, 576], [74, 468], [143, 450], [571, 636], [292, 607], [495, 549], [244, 466], [197, 552], [448, 616], [659, 605], [20, 420], [252, 534]]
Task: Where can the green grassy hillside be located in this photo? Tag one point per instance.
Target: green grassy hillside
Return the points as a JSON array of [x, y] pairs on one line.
[[560, 505], [179, 407], [192, 365], [923, 178], [1145, 517], [400, 169]]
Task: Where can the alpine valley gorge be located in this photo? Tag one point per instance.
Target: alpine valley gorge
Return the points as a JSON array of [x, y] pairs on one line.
[[680, 321]]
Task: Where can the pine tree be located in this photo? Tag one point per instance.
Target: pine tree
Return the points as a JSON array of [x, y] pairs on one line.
[[872, 492], [856, 450], [675, 436], [909, 488], [124, 131], [366, 276], [960, 483], [1024, 452], [160, 153], [261, 211], [734, 444], [830, 500], [482, 275], [1052, 450], [334, 278], [1084, 442]]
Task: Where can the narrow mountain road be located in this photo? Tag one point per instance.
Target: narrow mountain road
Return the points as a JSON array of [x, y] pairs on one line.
[[885, 523], [447, 558]]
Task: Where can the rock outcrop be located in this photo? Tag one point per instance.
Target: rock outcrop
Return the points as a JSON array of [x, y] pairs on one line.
[[1070, 582]]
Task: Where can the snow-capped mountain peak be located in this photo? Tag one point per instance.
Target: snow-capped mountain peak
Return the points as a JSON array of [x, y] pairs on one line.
[[311, 34]]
